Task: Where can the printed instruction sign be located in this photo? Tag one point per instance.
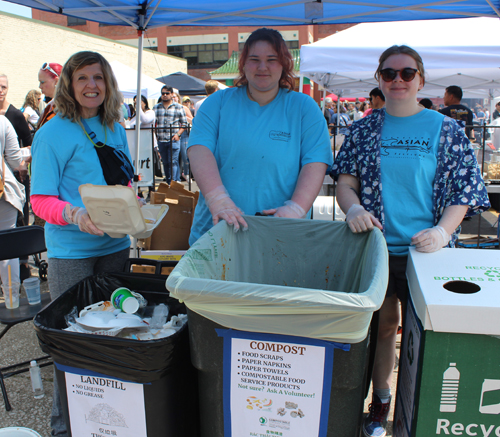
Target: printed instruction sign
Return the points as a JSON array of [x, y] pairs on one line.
[[103, 406], [276, 385]]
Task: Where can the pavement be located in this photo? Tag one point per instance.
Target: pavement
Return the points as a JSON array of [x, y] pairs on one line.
[[21, 343]]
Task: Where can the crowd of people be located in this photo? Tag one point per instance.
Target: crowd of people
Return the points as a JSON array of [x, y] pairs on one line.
[[259, 124]]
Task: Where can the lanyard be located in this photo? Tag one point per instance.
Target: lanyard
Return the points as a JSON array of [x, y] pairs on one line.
[[91, 135]]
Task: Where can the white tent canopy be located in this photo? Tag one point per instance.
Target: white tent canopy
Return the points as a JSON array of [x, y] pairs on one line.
[[463, 52], [127, 82]]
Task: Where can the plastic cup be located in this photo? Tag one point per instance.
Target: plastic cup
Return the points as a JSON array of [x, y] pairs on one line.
[[32, 288], [11, 295], [123, 299]]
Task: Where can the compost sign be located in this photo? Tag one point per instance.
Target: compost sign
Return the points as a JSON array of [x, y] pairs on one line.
[[103, 406], [276, 385]]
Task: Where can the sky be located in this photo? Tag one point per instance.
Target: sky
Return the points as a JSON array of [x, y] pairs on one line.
[[11, 8]]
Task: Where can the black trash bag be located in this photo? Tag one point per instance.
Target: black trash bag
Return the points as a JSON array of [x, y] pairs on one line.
[[131, 360]]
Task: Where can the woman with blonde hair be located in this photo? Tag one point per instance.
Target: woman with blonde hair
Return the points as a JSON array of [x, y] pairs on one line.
[[30, 108], [186, 102], [65, 156]]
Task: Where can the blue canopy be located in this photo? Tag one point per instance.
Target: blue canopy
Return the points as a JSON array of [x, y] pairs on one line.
[[155, 13]]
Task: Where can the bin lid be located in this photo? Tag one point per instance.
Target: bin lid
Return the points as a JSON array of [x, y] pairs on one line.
[[15, 431], [115, 210], [456, 290], [285, 276]]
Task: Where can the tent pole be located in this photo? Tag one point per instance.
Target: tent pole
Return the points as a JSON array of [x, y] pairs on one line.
[[137, 113], [301, 83]]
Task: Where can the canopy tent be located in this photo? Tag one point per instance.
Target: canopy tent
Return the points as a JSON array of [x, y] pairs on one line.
[[127, 82], [463, 52], [157, 13], [186, 85]]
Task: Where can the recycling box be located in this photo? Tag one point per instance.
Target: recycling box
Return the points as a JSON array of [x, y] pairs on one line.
[[449, 374]]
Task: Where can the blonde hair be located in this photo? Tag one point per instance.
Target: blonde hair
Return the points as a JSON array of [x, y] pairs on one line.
[[31, 99], [68, 107]]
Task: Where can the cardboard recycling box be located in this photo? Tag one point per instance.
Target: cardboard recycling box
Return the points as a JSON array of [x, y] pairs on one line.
[[173, 232], [449, 369]]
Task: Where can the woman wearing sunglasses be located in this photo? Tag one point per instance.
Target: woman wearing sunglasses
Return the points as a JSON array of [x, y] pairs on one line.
[[48, 76], [410, 172]]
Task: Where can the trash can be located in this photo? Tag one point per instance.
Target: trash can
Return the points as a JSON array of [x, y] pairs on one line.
[[279, 322], [117, 386]]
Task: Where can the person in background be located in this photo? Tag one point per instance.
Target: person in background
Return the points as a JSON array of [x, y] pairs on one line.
[[171, 122], [377, 101], [426, 103], [211, 87], [239, 137], [16, 118], [87, 103], [496, 112], [186, 103], [454, 109], [12, 200], [147, 116], [30, 108], [417, 196], [364, 107], [48, 76]]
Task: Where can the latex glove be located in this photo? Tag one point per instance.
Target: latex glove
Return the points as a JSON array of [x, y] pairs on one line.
[[290, 209], [74, 215], [223, 208], [431, 239], [360, 220]]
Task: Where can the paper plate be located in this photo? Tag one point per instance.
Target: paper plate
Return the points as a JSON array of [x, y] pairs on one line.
[[15, 431]]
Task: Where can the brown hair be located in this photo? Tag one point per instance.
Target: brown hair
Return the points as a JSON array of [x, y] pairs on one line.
[[401, 50], [274, 38], [65, 102]]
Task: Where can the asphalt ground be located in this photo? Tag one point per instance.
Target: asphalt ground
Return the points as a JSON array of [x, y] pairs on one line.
[[21, 344]]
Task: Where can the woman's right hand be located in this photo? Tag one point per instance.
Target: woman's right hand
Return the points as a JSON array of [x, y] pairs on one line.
[[79, 216], [223, 208], [360, 220]]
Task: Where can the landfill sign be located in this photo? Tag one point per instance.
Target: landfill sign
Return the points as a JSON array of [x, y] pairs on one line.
[[276, 385], [100, 405]]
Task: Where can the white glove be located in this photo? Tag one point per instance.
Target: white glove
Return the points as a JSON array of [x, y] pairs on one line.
[[223, 208], [74, 215], [360, 220], [290, 209], [431, 239]]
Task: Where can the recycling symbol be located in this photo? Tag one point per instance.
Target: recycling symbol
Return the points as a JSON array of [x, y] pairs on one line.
[[410, 348], [492, 273]]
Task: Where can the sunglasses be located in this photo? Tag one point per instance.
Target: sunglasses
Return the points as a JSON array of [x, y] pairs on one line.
[[407, 74], [46, 67], [165, 94]]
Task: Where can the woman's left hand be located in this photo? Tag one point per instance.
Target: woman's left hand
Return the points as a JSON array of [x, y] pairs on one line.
[[290, 209], [431, 239]]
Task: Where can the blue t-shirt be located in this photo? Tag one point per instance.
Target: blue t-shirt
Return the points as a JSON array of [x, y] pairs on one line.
[[408, 168], [63, 159], [259, 150]]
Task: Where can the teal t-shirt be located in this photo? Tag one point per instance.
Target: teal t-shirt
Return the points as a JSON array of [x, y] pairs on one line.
[[63, 159], [408, 164], [259, 150]]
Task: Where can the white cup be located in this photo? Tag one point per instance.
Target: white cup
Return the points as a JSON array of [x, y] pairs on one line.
[[32, 288]]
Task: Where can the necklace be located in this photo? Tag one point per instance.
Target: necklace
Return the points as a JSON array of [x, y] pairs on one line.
[[251, 97], [100, 144]]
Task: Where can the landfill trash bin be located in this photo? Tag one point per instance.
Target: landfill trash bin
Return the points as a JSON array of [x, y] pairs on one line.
[[449, 374], [116, 386], [279, 319]]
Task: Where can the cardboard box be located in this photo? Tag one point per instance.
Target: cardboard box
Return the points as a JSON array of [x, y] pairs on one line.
[[173, 231], [163, 255], [449, 372], [151, 269]]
